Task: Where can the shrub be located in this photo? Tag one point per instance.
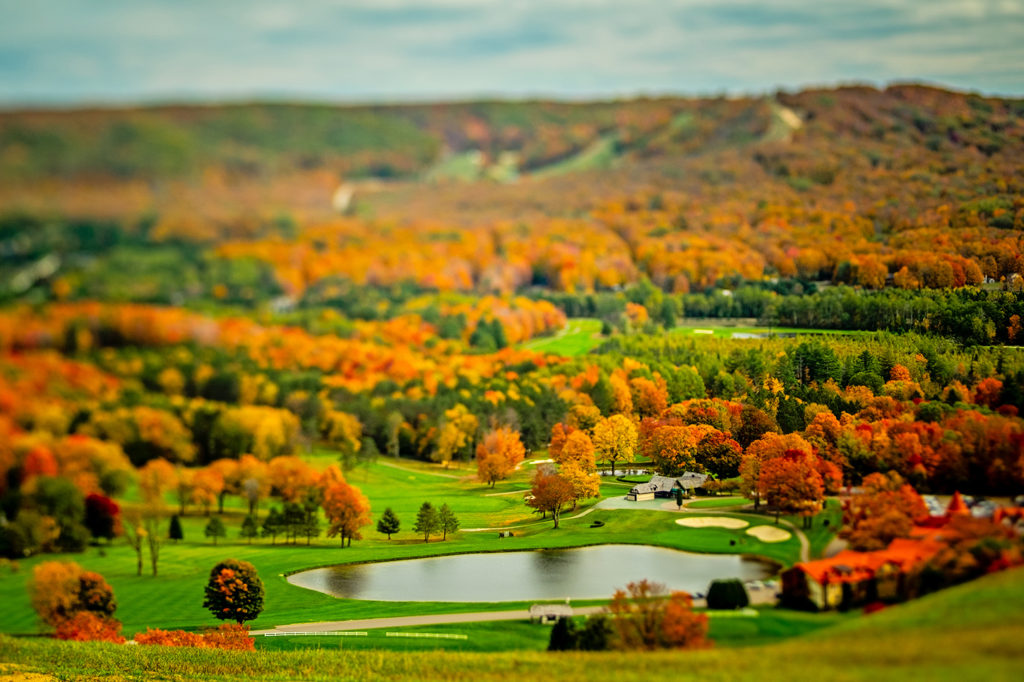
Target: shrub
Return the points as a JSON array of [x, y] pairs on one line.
[[227, 636], [563, 635], [727, 594], [61, 589], [86, 626], [595, 634], [234, 591], [169, 638]]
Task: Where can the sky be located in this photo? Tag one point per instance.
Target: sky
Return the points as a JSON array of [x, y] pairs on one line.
[[66, 52]]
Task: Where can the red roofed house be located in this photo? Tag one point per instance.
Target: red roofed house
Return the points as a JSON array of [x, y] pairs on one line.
[[853, 578]]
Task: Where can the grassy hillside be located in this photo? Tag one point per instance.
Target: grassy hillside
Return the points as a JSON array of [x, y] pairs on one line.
[[969, 632]]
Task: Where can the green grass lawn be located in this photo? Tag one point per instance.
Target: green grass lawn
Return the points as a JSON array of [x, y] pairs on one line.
[[716, 502], [824, 527], [766, 626], [513, 635], [174, 598], [970, 632], [580, 336]]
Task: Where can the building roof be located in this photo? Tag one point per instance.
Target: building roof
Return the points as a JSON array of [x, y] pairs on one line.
[[1010, 513], [957, 505], [550, 611], [665, 484], [851, 566]]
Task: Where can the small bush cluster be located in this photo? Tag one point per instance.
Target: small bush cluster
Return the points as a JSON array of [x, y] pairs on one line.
[[88, 626], [228, 636], [727, 594]]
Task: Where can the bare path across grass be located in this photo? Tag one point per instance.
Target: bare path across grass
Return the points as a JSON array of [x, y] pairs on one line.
[[410, 621], [382, 461], [757, 597]]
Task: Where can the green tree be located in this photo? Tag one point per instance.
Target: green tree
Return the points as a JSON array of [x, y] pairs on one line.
[[428, 521], [249, 528], [679, 498], [727, 594], [388, 523], [175, 532], [273, 525], [234, 591], [449, 523], [563, 635], [595, 634], [61, 499], [215, 529]]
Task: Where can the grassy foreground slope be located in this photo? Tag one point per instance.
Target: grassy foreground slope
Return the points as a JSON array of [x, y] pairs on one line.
[[969, 632]]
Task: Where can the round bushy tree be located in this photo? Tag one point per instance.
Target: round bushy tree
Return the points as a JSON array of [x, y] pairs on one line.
[[727, 594], [234, 591]]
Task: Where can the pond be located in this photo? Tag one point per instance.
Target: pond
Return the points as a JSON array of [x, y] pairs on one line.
[[580, 573]]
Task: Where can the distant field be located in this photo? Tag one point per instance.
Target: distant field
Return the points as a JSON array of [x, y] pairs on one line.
[[581, 335], [597, 155], [714, 328]]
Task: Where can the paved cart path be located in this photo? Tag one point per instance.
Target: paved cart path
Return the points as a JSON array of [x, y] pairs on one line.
[[408, 621]]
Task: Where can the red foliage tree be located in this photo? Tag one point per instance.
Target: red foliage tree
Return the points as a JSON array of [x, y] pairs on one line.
[[884, 509], [550, 492], [645, 616]]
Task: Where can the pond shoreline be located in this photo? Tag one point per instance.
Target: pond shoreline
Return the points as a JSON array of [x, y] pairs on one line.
[[775, 563], [581, 572]]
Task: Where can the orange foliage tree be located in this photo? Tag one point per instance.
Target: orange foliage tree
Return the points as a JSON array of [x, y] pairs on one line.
[[884, 509], [559, 432], [791, 483], [347, 510], [578, 467], [498, 454], [769, 446], [550, 492], [646, 617], [61, 589], [672, 448]]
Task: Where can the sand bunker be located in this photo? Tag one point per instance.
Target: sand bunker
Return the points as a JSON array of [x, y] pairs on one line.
[[712, 522], [769, 534]]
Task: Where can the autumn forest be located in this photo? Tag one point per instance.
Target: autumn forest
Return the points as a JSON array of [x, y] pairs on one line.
[[314, 335]]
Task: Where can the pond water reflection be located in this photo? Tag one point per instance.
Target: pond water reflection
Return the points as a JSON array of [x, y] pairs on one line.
[[579, 573]]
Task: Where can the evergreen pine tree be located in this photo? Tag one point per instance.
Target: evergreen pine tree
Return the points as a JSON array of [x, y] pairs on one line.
[[388, 523], [448, 522], [249, 528], [428, 521], [273, 524], [215, 529], [175, 533]]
